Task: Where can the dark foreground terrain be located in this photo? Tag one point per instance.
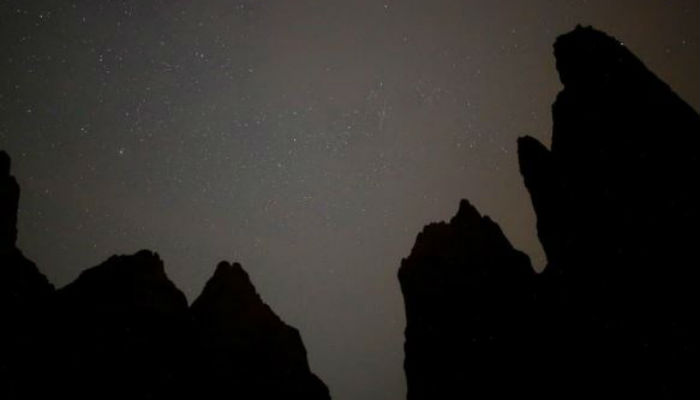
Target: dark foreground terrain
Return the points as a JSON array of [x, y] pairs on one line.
[[122, 330], [615, 312], [613, 315]]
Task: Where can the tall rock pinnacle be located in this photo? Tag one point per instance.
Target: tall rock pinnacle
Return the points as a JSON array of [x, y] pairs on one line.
[[614, 313], [468, 296], [23, 292], [617, 205]]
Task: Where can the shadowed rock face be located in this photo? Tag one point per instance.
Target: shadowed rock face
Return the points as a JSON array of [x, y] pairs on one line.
[[469, 299], [247, 345], [23, 289], [617, 202], [122, 322], [615, 312], [123, 330], [21, 283]]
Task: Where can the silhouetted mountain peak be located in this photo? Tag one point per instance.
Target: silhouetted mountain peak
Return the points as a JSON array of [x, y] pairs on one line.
[[463, 284], [466, 213], [225, 267], [144, 263], [137, 280], [467, 238], [230, 301], [236, 325], [233, 275], [124, 326]]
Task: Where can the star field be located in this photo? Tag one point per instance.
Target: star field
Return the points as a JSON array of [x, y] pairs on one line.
[[308, 140]]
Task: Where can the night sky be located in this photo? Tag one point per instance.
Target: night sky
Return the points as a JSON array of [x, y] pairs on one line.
[[308, 140]]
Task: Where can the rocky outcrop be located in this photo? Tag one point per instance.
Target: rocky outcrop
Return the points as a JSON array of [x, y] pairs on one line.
[[122, 325], [21, 283], [618, 205], [23, 290], [247, 346], [123, 330], [615, 312], [469, 299]]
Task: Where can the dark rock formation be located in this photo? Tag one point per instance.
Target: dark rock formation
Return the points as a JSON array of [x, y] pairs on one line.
[[123, 330], [469, 299], [21, 283], [617, 202], [122, 325], [615, 312], [247, 346], [23, 290]]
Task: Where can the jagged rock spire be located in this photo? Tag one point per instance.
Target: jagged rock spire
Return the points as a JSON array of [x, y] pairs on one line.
[[614, 313], [123, 330], [466, 289], [252, 348]]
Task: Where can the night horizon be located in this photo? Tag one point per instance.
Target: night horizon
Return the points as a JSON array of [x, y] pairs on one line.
[[310, 143]]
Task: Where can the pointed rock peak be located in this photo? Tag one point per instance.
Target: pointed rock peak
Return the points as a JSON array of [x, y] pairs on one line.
[[149, 258], [229, 281], [232, 276], [226, 269], [223, 267], [268, 358], [466, 214], [229, 299]]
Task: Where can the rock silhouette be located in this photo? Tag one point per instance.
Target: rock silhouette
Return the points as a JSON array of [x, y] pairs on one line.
[[247, 346], [123, 330], [614, 313], [467, 293], [23, 290], [123, 322], [21, 283]]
